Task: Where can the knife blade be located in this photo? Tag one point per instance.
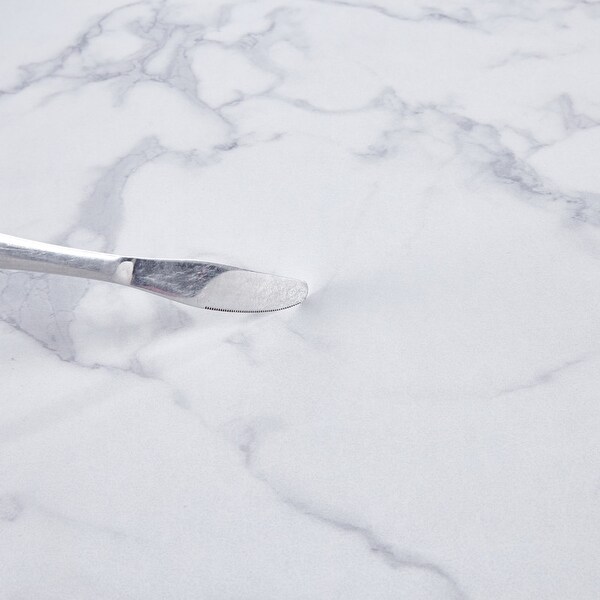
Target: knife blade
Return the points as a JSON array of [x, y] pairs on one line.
[[217, 287]]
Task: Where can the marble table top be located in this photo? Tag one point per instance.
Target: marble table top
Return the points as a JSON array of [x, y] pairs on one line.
[[426, 426]]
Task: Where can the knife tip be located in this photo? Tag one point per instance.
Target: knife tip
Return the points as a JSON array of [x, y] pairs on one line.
[[245, 291]]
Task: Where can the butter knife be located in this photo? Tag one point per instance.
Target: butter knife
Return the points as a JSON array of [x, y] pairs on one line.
[[201, 284]]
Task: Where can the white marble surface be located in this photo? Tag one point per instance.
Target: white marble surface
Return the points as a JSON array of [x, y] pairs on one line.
[[426, 426]]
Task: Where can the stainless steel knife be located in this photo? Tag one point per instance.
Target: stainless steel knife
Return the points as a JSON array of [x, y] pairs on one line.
[[202, 284]]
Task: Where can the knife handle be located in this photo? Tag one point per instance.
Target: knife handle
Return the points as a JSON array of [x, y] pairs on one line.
[[26, 255]]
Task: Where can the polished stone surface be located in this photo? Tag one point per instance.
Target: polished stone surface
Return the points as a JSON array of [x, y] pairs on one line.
[[426, 426]]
